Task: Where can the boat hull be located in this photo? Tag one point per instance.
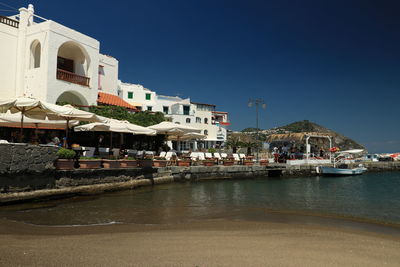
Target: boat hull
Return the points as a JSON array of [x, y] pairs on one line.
[[328, 171]]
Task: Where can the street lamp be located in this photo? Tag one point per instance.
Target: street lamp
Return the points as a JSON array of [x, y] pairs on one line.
[[257, 102]]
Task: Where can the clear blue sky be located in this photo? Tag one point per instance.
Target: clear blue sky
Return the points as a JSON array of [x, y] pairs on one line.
[[336, 63]]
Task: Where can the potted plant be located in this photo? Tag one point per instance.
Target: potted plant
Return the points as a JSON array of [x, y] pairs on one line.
[[184, 162], [248, 162], [264, 162], [128, 162], [160, 162], [65, 159], [111, 163], [228, 162], [145, 163], [89, 163], [209, 162]]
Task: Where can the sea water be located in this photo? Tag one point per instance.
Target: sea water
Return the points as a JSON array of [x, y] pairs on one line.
[[372, 197]]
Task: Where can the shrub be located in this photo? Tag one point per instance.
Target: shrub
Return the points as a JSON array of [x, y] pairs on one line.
[[212, 150], [64, 153]]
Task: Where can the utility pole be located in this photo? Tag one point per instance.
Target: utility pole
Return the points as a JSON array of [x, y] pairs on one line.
[[257, 102]]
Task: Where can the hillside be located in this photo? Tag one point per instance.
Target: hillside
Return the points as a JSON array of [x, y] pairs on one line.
[[307, 126]]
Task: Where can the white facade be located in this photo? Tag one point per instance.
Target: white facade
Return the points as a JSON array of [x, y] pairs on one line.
[[182, 111], [108, 74], [51, 62]]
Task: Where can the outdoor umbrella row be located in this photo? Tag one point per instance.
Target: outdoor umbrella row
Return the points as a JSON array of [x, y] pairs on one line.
[[37, 109]]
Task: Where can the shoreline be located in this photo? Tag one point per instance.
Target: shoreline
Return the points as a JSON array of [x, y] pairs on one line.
[[204, 243]]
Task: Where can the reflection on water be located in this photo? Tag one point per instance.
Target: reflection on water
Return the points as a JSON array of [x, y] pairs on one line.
[[371, 196]]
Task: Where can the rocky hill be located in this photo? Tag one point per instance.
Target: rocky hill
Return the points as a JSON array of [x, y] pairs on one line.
[[307, 126]]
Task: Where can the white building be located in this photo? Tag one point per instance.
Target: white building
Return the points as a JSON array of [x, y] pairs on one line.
[[46, 60], [43, 59], [202, 116]]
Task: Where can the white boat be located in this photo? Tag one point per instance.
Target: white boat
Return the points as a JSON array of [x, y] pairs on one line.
[[330, 171], [340, 169]]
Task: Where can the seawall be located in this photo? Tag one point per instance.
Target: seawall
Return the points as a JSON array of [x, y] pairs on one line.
[[27, 173]]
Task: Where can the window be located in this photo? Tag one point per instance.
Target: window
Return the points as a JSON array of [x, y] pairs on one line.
[[65, 64], [198, 120], [165, 109], [205, 132], [149, 108], [101, 73], [187, 120], [35, 54], [130, 95], [148, 96], [177, 122], [186, 110], [205, 121]]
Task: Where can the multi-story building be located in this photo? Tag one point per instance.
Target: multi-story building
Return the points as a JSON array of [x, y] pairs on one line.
[[43, 59], [202, 116]]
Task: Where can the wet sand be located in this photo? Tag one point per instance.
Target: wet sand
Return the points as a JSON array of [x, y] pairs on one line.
[[206, 243]]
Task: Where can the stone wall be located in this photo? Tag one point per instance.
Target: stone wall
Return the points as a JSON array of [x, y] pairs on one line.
[[26, 167]]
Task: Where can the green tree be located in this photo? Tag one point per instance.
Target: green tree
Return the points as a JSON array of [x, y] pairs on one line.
[[144, 118]]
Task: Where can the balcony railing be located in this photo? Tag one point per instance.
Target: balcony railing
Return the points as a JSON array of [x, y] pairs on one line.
[[9, 22], [72, 77]]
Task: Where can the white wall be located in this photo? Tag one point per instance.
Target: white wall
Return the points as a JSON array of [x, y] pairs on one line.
[[139, 95], [109, 77], [8, 54], [15, 53]]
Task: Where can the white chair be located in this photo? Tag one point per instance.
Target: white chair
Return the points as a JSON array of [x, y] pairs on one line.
[[131, 152], [242, 156], [224, 155], [236, 157], [115, 152], [194, 156], [169, 155], [163, 154], [140, 154], [217, 156], [208, 155], [201, 156], [104, 152], [89, 151]]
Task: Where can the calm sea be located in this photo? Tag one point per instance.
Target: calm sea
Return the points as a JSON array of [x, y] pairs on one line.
[[372, 197]]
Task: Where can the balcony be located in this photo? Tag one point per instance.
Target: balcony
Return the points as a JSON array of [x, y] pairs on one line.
[[72, 77], [9, 22]]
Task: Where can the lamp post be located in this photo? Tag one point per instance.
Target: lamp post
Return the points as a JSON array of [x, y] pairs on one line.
[[257, 102]]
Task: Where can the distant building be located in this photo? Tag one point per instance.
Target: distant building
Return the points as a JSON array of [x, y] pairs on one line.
[[202, 116]]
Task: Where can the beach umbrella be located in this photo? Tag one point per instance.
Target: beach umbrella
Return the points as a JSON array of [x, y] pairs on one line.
[[174, 129], [187, 136], [112, 125], [169, 128], [14, 120], [28, 107], [69, 113]]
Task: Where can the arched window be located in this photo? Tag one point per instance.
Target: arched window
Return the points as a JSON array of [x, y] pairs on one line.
[[177, 122], [205, 132], [205, 121], [35, 54], [198, 120], [187, 120]]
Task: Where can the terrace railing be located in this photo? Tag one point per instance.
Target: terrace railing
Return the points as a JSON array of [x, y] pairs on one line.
[[72, 77], [9, 22]]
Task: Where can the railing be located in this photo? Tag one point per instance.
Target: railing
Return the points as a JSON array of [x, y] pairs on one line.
[[9, 22], [72, 77]]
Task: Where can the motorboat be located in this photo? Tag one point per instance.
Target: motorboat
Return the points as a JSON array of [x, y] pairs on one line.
[[340, 168]]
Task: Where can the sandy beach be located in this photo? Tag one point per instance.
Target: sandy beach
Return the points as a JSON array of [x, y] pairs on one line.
[[206, 243]]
